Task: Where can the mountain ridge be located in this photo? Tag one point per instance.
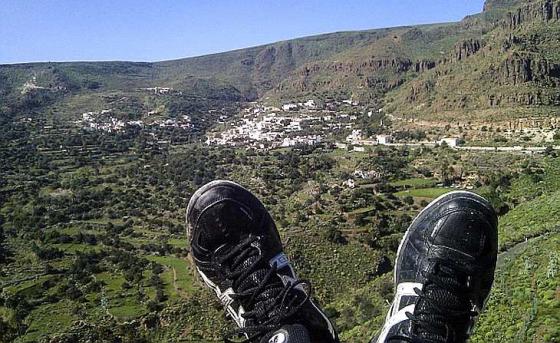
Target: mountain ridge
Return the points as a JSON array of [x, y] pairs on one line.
[[363, 65]]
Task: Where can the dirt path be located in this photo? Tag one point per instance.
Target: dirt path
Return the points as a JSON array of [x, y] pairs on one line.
[[178, 290]]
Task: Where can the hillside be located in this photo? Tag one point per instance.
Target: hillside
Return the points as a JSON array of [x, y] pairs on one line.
[[509, 72], [99, 160], [93, 246], [501, 58]]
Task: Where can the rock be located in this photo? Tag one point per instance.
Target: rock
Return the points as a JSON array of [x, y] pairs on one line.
[[537, 11], [517, 69], [423, 65], [467, 48]]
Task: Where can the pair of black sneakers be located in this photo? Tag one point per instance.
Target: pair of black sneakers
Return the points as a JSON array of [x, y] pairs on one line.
[[443, 272]]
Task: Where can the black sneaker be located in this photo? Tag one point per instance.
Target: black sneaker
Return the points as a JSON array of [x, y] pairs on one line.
[[238, 253], [444, 271]]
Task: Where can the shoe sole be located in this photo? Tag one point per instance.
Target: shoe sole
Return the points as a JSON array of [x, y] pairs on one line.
[[473, 196]]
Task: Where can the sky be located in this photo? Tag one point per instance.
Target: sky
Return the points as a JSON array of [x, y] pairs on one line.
[[141, 30]]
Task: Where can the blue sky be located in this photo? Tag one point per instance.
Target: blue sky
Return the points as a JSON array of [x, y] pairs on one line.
[[139, 30]]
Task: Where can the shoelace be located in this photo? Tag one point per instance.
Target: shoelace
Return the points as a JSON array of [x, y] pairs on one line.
[[258, 288], [442, 305]]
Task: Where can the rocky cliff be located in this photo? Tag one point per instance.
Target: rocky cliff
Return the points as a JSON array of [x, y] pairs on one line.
[[514, 64], [539, 11]]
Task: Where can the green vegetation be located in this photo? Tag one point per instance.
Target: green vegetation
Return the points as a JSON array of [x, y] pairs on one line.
[[492, 88], [92, 232], [430, 193], [415, 183], [112, 249], [531, 219], [524, 303]]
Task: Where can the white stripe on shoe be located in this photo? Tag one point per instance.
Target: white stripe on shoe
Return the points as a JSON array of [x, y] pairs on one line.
[[226, 300], [396, 316]]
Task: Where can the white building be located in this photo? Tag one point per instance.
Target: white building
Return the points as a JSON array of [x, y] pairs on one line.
[[369, 174], [289, 107], [355, 136], [288, 142], [349, 183], [310, 104], [384, 139], [452, 142]]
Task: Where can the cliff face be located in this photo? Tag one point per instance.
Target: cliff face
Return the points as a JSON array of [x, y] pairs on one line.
[[540, 11], [517, 69], [466, 49], [514, 64], [375, 74], [372, 76]]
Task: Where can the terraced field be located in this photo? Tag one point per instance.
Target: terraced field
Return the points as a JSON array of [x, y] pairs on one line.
[[110, 259]]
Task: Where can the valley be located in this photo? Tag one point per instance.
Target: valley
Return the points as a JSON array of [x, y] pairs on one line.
[[345, 137]]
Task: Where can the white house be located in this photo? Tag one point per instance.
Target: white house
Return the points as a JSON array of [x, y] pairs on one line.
[[310, 104], [384, 139], [355, 136], [366, 174], [452, 141], [289, 107], [349, 183], [288, 142]]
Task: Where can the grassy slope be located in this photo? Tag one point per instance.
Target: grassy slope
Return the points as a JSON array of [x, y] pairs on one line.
[[509, 315], [525, 306]]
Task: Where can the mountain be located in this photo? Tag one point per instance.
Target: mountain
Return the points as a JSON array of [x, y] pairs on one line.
[[99, 160], [511, 71], [502, 60]]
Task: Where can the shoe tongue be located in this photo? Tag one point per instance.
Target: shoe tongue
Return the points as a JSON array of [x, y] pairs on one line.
[[254, 279], [225, 222], [288, 334]]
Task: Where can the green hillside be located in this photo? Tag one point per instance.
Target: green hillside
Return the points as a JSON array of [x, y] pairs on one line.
[[503, 64], [511, 71], [99, 160]]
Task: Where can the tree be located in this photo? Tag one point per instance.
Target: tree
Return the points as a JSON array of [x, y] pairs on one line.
[[549, 151], [408, 200], [333, 234]]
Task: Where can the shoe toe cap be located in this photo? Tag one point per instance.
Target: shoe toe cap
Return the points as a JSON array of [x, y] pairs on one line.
[[465, 230]]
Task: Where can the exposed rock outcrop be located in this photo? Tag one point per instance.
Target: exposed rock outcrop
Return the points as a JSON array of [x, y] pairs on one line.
[[526, 99], [538, 11], [467, 48], [424, 65], [420, 89], [517, 69], [356, 73], [463, 50]]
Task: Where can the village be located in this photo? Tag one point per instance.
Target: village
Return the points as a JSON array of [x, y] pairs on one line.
[[105, 121], [307, 123], [338, 123]]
